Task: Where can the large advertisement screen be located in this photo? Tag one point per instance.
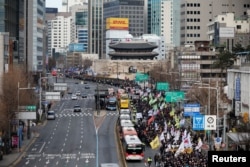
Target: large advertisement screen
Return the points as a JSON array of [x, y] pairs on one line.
[[82, 18]]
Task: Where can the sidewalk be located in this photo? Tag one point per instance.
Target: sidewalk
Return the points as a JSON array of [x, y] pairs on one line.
[[10, 160]]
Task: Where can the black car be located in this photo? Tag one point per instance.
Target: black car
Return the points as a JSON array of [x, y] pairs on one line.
[[87, 87], [77, 108], [84, 95]]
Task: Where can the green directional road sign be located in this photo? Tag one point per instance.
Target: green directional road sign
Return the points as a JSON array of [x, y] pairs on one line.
[[31, 108], [174, 96], [139, 77], [162, 86]]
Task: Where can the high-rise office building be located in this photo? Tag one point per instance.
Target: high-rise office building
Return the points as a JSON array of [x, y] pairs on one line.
[[195, 15], [80, 23], [133, 10], [10, 11], [164, 20], [34, 30], [95, 27]]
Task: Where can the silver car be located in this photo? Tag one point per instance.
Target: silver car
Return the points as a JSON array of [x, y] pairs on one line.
[[74, 97]]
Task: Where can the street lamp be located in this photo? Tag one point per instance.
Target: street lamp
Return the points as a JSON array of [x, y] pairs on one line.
[[40, 94], [18, 107], [18, 86], [217, 105]]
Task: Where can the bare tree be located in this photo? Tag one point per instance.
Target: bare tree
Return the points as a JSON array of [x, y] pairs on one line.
[[201, 96], [9, 96], [52, 63], [87, 63]]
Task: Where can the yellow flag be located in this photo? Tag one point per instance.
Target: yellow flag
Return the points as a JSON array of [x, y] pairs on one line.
[[172, 112], [176, 119], [155, 143]]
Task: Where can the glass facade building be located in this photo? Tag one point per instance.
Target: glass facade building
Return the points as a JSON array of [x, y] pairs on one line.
[[95, 27], [34, 35]]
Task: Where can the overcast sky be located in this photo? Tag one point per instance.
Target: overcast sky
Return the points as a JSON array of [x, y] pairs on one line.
[[54, 4]]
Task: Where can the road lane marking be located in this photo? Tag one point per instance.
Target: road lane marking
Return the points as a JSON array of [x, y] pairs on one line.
[[42, 147]]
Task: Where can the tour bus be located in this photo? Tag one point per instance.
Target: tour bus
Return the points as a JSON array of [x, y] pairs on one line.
[[133, 148], [126, 123], [128, 131]]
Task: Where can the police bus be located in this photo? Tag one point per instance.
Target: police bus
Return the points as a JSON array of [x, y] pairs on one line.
[[133, 148]]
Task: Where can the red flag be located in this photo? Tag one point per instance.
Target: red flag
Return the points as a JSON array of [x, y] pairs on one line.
[[151, 120]]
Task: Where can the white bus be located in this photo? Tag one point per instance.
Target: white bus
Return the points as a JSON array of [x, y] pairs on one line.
[[126, 123], [124, 117], [133, 148], [128, 131], [124, 111]]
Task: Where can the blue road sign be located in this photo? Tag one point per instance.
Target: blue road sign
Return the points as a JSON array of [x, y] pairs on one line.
[[237, 89], [198, 122], [191, 109]]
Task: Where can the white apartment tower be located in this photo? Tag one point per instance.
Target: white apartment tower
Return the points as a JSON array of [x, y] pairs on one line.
[[196, 15], [170, 23], [59, 28]]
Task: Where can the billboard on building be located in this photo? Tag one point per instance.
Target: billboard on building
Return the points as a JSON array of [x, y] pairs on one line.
[[51, 10], [226, 32], [76, 47], [116, 23], [81, 18]]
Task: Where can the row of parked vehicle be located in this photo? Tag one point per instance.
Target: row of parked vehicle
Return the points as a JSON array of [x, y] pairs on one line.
[[133, 148]]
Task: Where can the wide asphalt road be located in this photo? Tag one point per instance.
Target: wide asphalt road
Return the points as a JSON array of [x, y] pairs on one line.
[[74, 139]]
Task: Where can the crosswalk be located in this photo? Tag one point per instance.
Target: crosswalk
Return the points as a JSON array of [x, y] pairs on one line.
[[73, 115], [83, 114], [78, 98]]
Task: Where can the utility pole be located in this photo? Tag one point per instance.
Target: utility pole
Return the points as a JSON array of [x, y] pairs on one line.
[[117, 69], [144, 80], [98, 100]]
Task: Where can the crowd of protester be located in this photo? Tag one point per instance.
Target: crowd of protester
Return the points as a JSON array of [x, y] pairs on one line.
[[166, 121]]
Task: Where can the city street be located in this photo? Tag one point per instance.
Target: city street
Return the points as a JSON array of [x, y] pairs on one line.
[[73, 138]]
